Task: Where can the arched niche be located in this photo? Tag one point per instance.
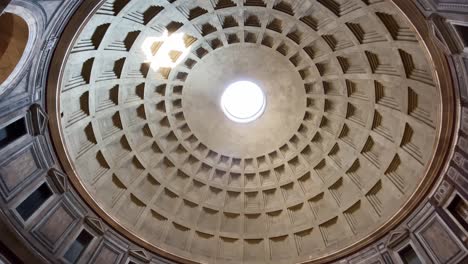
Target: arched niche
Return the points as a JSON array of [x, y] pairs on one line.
[[14, 35], [28, 20]]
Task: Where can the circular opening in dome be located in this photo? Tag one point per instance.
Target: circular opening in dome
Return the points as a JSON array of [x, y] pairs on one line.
[[243, 102]]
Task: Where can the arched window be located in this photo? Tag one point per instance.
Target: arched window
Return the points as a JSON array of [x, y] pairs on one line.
[[14, 34]]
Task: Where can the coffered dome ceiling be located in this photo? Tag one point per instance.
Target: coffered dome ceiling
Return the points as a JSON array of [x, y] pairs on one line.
[[348, 132]]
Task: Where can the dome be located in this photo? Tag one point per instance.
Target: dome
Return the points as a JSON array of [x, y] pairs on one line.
[[344, 137]]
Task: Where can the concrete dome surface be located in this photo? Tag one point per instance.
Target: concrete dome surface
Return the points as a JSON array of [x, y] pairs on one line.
[[234, 131], [349, 128]]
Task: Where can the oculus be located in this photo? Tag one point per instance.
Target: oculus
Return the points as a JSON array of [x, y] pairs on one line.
[[243, 102]]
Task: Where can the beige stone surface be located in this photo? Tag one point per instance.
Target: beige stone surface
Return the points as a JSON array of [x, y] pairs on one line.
[[13, 39], [350, 125], [275, 75]]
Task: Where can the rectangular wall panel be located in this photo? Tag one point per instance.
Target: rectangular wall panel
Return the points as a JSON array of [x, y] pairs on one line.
[[439, 242], [107, 253], [19, 168], [56, 225]]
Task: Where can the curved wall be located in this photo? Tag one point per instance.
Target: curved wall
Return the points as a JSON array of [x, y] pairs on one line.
[[50, 218], [14, 36], [22, 49], [230, 213]]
